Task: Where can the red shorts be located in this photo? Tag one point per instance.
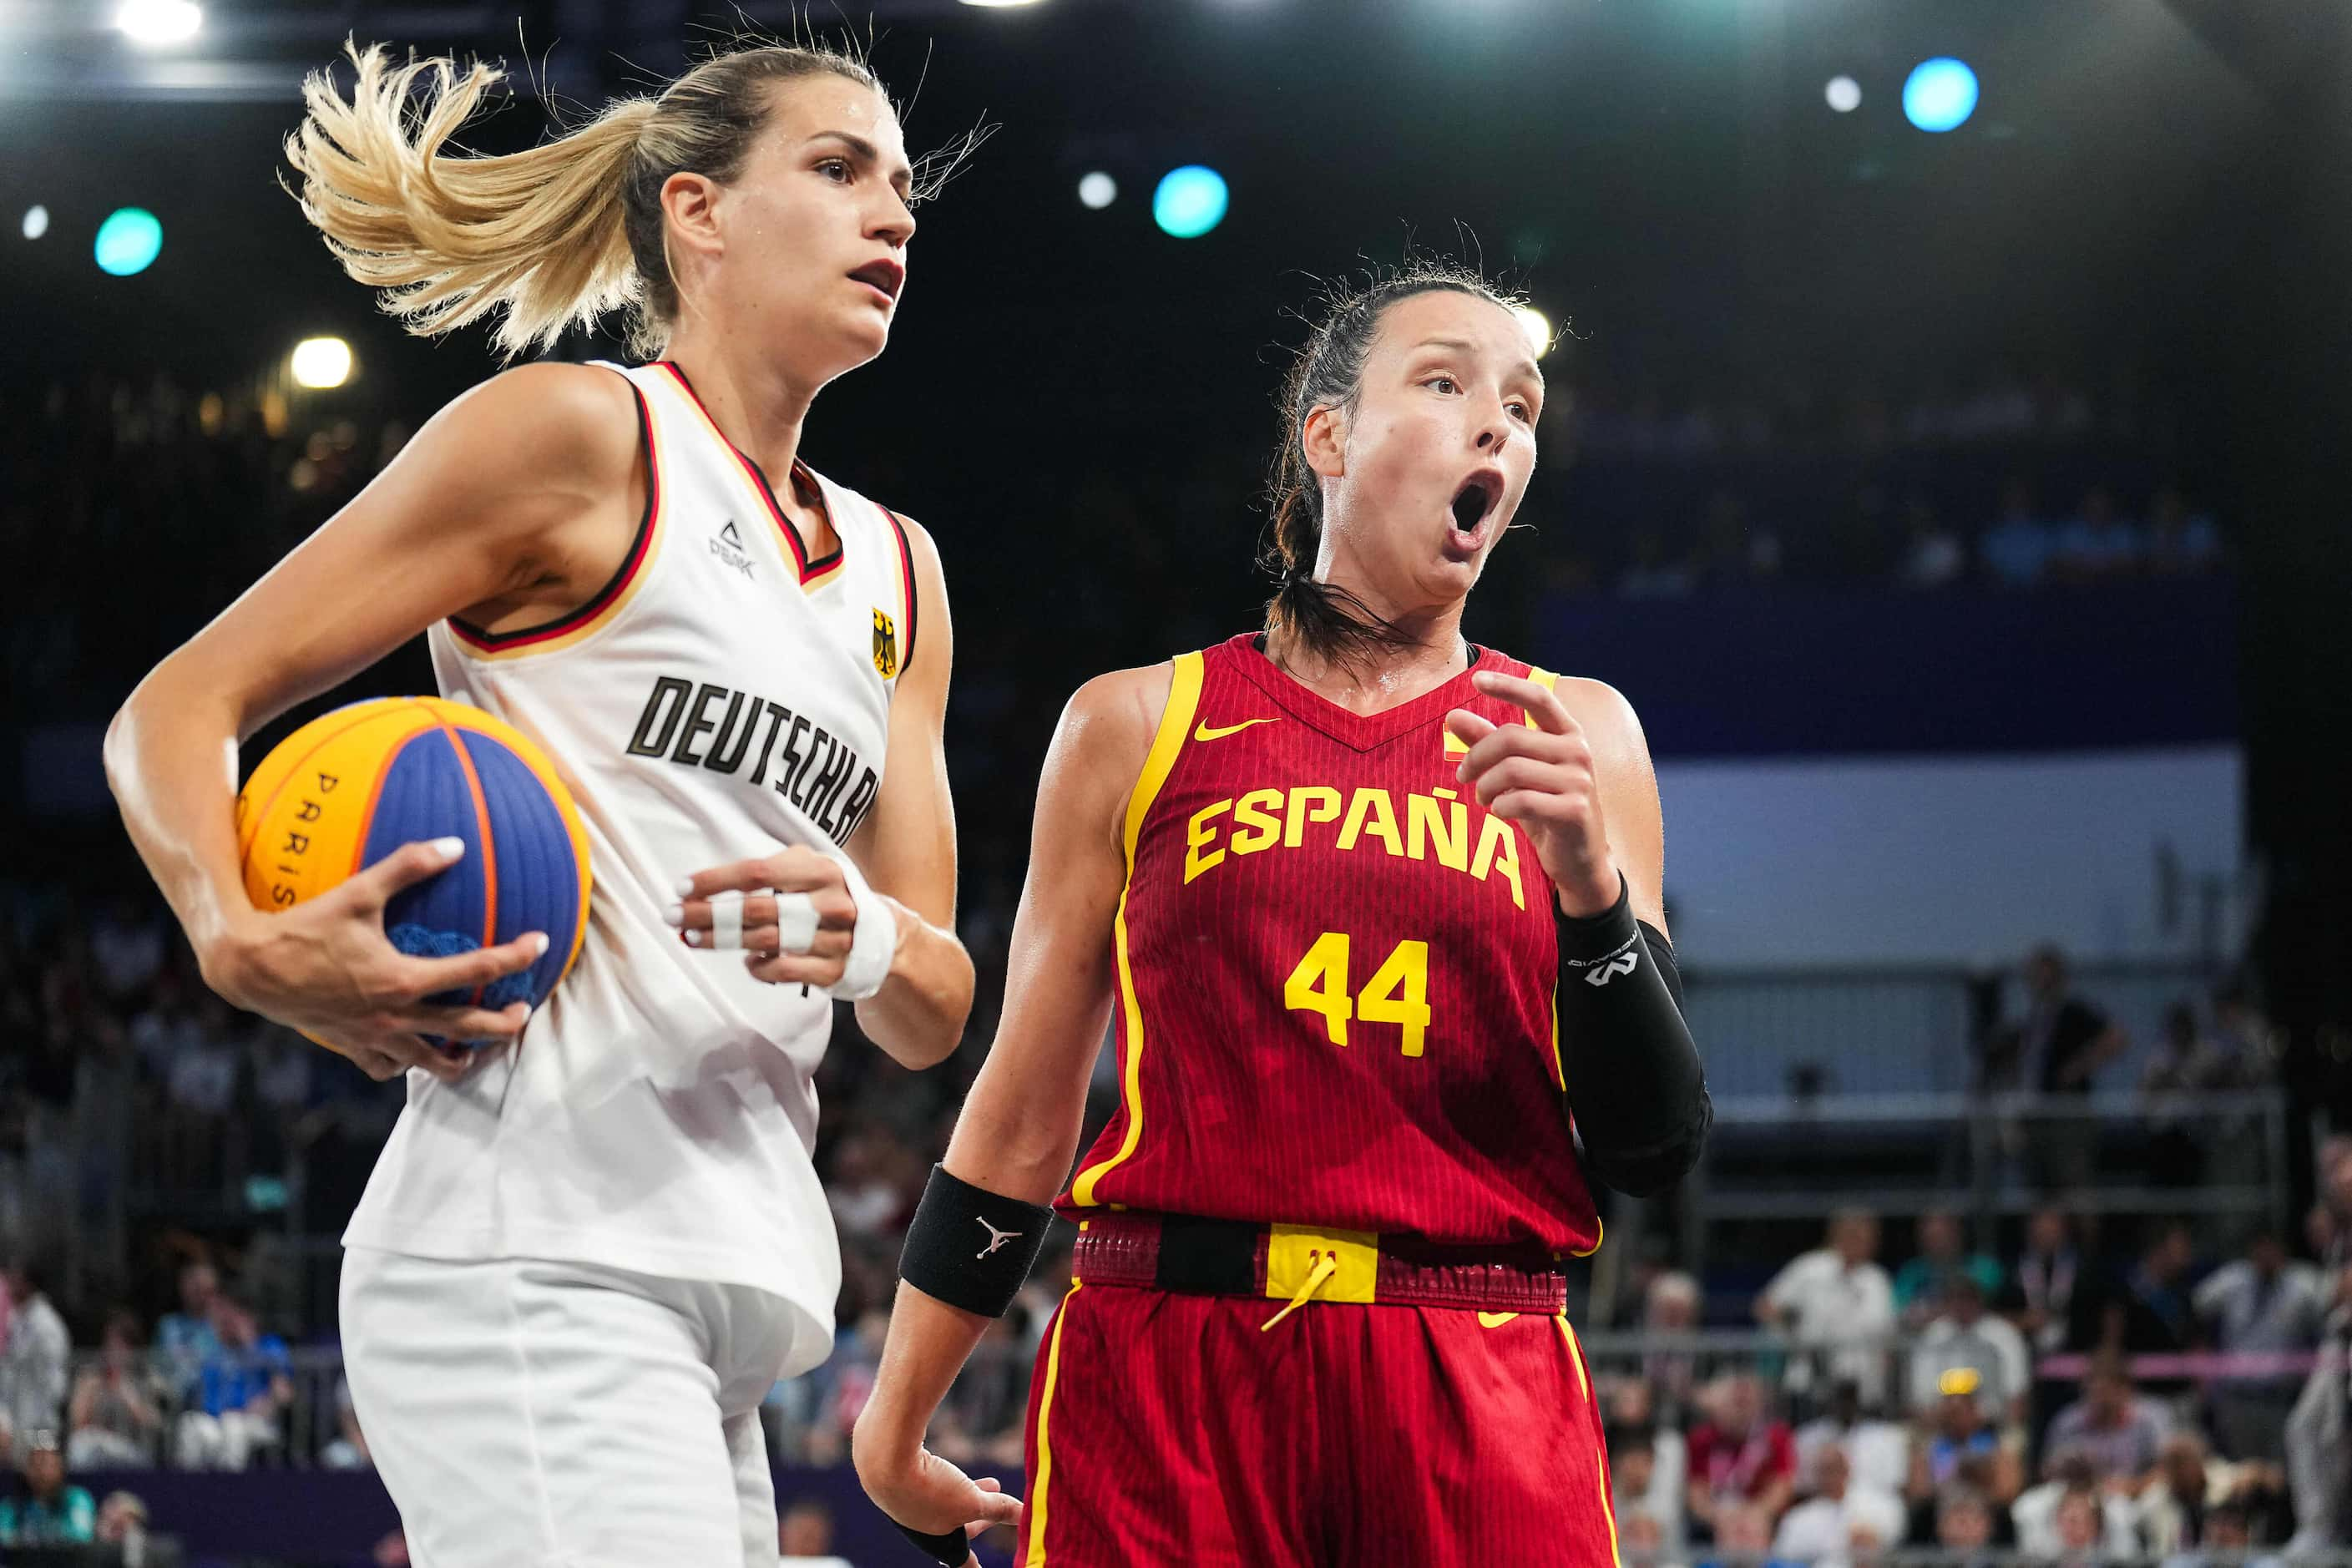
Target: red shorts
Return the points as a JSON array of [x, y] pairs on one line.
[[1166, 1426]]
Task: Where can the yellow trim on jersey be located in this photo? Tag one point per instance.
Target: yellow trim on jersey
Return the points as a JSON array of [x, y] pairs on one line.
[[656, 483], [840, 565], [1035, 1556], [1600, 1459], [1455, 746], [1175, 724]]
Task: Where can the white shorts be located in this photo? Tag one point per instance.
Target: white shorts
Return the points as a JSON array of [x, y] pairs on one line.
[[564, 1415]]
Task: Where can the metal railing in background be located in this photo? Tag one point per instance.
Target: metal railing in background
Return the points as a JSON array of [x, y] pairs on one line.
[[2216, 1157], [1901, 1029]]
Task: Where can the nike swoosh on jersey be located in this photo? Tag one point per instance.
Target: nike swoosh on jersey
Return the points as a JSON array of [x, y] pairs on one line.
[[1495, 1320], [1204, 733]]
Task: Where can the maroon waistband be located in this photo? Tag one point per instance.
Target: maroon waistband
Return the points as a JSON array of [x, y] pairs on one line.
[[1231, 1257]]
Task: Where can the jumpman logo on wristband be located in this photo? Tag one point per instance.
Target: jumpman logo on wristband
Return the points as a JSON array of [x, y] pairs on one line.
[[996, 1237]]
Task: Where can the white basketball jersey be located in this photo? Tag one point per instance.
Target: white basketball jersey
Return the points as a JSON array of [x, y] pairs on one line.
[[725, 694]]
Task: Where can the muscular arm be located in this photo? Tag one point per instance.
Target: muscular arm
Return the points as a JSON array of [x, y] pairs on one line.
[[907, 847], [492, 507], [1640, 1102], [1019, 1131]]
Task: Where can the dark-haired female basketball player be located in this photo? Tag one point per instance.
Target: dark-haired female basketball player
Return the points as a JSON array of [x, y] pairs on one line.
[[580, 1264], [1375, 910]]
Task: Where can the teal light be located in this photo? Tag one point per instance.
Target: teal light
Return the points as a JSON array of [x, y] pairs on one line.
[[128, 241], [1189, 202], [1940, 94]]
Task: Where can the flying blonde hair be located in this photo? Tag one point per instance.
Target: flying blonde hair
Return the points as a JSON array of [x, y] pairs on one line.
[[558, 235]]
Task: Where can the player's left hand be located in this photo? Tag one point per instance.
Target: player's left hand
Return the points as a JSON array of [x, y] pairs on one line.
[[795, 869], [1542, 777]]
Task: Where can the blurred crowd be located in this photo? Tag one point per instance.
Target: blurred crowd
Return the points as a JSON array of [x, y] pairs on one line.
[[2007, 483], [2059, 1399]]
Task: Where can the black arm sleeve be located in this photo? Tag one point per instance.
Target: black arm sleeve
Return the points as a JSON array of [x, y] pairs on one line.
[[1635, 1085]]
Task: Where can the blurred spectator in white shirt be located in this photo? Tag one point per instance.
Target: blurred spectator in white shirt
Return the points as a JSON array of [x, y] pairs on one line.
[[114, 1416], [1968, 1337], [1836, 1298], [1839, 1515], [33, 1364], [2263, 1304], [2071, 1472], [1878, 1451]]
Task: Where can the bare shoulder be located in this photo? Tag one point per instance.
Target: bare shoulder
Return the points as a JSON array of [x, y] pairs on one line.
[[1114, 716], [1101, 746], [549, 419], [1607, 719]]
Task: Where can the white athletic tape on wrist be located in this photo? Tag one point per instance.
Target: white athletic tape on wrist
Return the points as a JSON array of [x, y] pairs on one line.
[[874, 943], [795, 923], [726, 921]]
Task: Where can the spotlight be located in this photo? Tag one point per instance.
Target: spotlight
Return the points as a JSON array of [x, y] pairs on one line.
[[999, 5], [1097, 191], [37, 221], [159, 21], [1537, 325], [321, 362], [1940, 94], [1189, 202], [1844, 94], [128, 241]]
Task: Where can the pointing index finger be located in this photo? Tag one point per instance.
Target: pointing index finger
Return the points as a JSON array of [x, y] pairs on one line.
[[1542, 703]]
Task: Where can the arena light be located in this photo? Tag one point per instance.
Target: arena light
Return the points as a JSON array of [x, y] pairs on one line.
[[1537, 325], [999, 5], [1097, 191], [1844, 94], [159, 21], [37, 221], [321, 362], [1189, 202], [1940, 94], [128, 241]]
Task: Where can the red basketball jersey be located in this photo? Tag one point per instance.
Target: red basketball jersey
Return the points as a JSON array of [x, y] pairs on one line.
[[1334, 972]]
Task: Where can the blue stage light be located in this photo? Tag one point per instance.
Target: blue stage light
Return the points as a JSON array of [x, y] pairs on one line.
[[128, 241], [1940, 94], [1189, 202]]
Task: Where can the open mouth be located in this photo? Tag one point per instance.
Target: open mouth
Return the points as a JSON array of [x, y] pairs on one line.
[[1475, 500], [885, 278]]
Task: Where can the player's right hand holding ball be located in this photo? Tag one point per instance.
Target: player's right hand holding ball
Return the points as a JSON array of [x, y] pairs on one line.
[[326, 968]]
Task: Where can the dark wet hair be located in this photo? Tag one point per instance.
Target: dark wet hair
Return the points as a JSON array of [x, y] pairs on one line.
[[1329, 374]]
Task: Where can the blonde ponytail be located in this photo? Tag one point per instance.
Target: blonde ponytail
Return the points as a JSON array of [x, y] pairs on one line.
[[448, 240], [557, 235]]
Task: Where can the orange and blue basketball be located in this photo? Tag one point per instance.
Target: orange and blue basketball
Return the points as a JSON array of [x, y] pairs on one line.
[[354, 785]]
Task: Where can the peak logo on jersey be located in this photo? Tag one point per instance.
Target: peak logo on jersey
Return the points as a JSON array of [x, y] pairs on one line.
[[728, 545], [886, 645], [1205, 733], [817, 772]]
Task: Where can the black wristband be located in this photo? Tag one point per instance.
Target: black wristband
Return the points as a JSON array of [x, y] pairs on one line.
[[971, 1248], [952, 1550], [1633, 1078]]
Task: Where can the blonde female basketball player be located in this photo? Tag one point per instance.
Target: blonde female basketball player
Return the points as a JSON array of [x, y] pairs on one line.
[[580, 1263]]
